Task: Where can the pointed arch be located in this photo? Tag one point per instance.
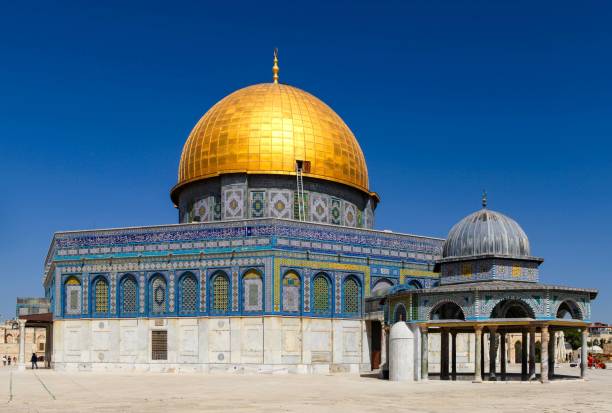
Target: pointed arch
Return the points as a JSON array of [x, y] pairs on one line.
[[351, 295], [399, 313], [220, 292], [99, 300], [72, 295], [252, 291], [322, 293], [158, 294], [128, 295], [188, 293], [292, 292]]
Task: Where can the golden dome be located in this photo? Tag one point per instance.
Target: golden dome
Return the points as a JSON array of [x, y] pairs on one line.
[[264, 129]]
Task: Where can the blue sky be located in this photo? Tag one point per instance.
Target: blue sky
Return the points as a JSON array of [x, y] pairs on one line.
[[446, 99]]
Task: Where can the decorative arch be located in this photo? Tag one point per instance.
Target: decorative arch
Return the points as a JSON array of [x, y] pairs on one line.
[[512, 308], [72, 295], [321, 294], [569, 309], [381, 287], [128, 295], [158, 294], [252, 290], [188, 293], [399, 313], [447, 310], [220, 292], [416, 284], [100, 302], [292, 292], [351, 295]]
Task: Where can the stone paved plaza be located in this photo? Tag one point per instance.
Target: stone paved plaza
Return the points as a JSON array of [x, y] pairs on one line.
[[49, 391]]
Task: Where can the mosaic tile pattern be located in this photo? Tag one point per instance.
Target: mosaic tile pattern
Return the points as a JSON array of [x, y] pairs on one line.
[[336, 211], [319, 208], [280, 204], [233, 202], [257, 204]]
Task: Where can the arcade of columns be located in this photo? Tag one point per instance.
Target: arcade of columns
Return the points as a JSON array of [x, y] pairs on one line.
[[497, 333]]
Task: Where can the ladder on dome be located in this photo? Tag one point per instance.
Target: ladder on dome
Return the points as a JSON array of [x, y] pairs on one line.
[[300, 190]]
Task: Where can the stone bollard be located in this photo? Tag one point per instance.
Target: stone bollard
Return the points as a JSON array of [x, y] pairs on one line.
[[401, 353]]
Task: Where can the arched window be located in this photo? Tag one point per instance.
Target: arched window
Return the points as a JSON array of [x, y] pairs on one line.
[[291, 292], [73, 296], [400, 313], [100, 295], [251, 291], [351, 297], [188, 294], [322, 295], [129, 295], [159, 300], [9, 339], [220, 293]]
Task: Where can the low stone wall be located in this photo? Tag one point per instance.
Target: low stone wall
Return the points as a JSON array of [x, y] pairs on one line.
[[269, 344]]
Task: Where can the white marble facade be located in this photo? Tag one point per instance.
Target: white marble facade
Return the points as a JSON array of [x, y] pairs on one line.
[[269, 344]]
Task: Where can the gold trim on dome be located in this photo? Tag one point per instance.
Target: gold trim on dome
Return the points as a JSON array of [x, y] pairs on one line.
[[264, 129]]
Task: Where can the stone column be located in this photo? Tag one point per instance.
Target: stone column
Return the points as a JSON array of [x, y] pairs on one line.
[[492, 352], [384, 352], [424, 353], [552, 356], [544, 355], [454, 355], [524, 355], [502, 355], [532, 349], [444, 354], [584, 353], [478, 355], [482, 356], [22, 339]]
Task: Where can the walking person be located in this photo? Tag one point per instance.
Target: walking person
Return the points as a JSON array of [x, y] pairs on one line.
[[9, 360], [34, 361], [4, 360]]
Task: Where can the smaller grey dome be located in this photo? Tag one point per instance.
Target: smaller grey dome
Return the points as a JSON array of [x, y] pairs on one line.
[[486, 232]]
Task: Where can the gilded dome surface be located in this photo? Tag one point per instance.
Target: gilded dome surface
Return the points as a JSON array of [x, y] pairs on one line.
[[264, 129], [486, 232]]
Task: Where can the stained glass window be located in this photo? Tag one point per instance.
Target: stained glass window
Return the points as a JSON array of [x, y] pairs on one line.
[[221, 293], [158, 298], [291, 292], [189, 294], [321, 295], [351, 296], [252, 287], [129, 293], [101, 288]]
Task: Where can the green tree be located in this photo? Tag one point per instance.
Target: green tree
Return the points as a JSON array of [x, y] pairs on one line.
[[574, 338]]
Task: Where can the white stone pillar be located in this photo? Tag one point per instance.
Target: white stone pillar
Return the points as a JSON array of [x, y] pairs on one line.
[[544, 355], [22, 339], [424, 353], [478, 355], [584, 353], [401, 353]]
